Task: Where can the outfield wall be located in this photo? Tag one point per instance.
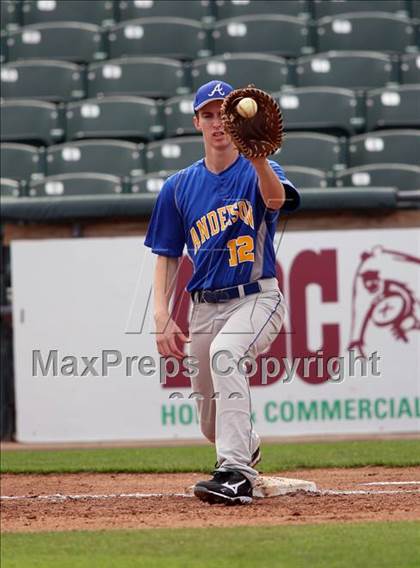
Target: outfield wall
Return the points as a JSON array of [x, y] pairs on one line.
[[87, 369]]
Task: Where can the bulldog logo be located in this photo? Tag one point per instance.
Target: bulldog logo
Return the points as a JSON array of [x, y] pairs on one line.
[[385, 295]]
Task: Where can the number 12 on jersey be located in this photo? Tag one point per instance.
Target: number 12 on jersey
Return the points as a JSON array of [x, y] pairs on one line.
[[241, 250]]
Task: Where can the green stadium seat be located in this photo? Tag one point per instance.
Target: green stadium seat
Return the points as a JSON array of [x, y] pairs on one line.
[[69, 41], [165, 37], [385, 147], [325, 109], [228, 9], [9, 188], [66, 185], [197, 10], [347, 69], [149, 183], [99, 12], [267, 72], [31, 121], [10, 14], [44, 79], [113, 117], [310, 149], [146, 76], [3, 47], [303, 177], [173, 153], [179, 116], [279, 35], [116, 157], [324, 8], [397, 107], [403, 177], [376, 31], [22, 162], [410, 68], [415, 9]]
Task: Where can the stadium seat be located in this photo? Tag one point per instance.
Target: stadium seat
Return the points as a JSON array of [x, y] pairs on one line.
[[116, 157], [179, 116], [404, 178], [385, 147], [268, 72], [396, 107], [113, 117], [197, 10], [415, 9], [66, 185], [173, 153], [347, 69], [3, 47], [10, 14], [324, 8], [410, 68], [309, 149], [165, 37], [228, 9], [279, 35], [303, 177], [31, 121], [377, 31], [9, 188], [320, 108], [44, 79], [99, 12], [149, 183], [22, 162], [145, 76], [71, 41]]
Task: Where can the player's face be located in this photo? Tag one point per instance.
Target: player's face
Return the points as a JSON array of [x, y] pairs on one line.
[[208, 121]]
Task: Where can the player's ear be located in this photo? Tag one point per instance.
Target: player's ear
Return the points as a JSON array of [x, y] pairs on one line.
[[196, 121]]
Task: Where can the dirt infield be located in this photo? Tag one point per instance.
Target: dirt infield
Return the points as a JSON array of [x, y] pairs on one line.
[[105, 501]]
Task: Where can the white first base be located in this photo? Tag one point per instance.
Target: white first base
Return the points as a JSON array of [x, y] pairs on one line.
[[274, 486]]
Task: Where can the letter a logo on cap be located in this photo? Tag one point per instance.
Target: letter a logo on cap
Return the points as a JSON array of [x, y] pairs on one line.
[[212, 91], [217, 89]]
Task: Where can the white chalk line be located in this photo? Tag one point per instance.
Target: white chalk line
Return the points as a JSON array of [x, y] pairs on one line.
[[391, 483], [59, 497], [367, 492]]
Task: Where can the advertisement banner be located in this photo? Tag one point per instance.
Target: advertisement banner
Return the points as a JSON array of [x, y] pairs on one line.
[[347, 360]]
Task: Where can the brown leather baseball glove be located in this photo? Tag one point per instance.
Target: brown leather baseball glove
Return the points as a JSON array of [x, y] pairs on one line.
[[260, 135]]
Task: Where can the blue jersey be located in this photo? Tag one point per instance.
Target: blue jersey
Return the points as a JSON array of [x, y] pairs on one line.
[[222, 219]]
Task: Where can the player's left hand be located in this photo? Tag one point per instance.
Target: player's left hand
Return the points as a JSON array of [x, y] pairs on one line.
[[258, 162], [259, 134]]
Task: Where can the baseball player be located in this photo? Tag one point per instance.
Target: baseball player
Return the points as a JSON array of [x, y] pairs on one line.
[[225, 209]]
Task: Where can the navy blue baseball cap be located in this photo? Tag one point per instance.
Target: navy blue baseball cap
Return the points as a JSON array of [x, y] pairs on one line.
[[212, 91]]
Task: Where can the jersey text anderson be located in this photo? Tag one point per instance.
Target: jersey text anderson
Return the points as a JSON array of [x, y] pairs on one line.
[[218, 219]]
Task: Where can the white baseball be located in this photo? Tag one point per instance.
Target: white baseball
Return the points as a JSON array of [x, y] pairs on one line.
[[247, 107]]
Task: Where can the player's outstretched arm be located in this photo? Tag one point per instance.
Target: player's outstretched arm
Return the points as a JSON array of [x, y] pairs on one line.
[[271, 188], [168, 334]]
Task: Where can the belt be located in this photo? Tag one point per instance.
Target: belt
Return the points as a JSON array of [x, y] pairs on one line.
[[225, 294]]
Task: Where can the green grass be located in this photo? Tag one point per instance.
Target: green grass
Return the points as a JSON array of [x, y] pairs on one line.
[[276, 457], [382, 545]]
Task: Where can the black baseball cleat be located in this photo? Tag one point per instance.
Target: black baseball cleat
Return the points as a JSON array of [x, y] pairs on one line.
[[226, 487], [255, 459]]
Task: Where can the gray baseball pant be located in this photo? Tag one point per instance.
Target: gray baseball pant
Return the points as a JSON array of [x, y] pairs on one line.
[[221, 335]]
